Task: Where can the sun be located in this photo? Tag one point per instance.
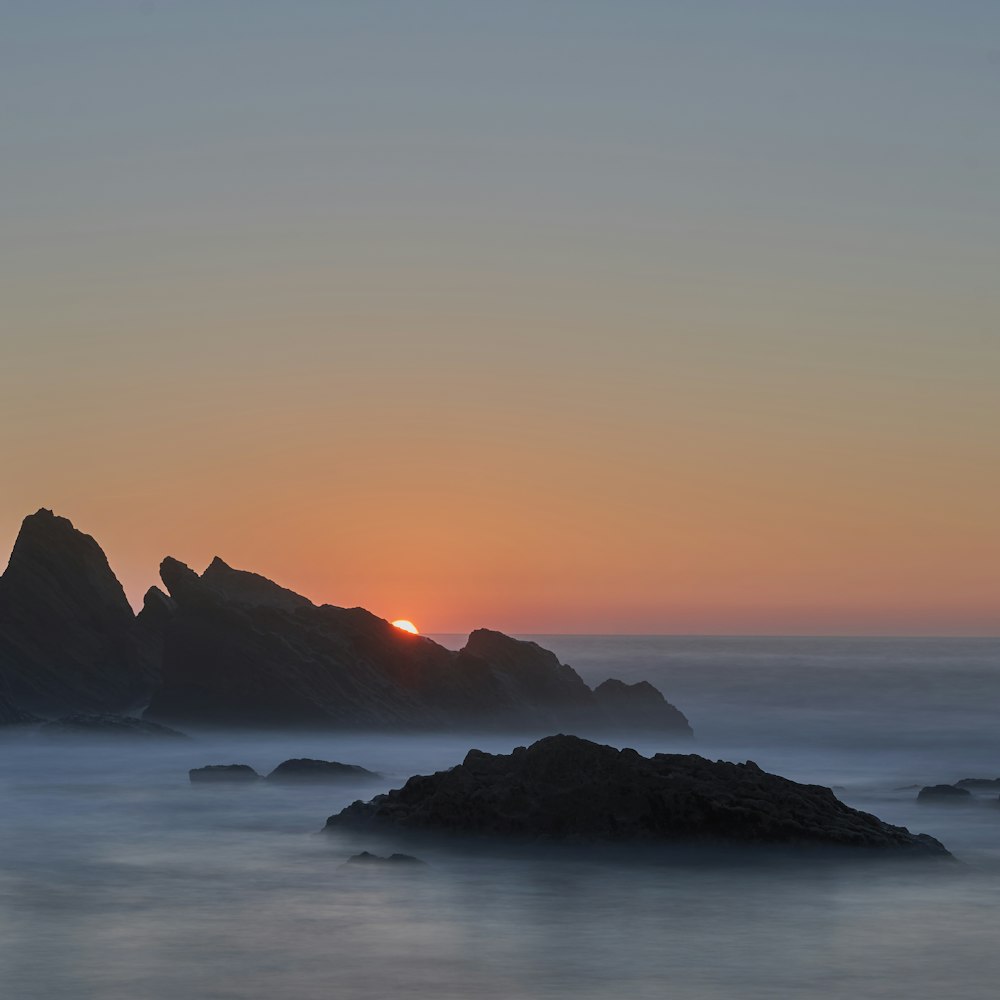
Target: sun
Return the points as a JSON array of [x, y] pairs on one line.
[[406, 626]]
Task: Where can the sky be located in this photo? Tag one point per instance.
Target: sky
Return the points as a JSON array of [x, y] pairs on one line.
[[651, 317]]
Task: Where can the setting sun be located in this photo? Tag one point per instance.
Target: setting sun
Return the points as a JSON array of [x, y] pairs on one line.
[[406, 626]]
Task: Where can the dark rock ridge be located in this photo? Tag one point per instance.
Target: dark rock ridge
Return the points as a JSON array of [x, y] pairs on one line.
[[240, 650], [223, 773], [306, 770], [944, 793], [108, 725], [230, 647], [566, 789], [981, 784], [68, 638]]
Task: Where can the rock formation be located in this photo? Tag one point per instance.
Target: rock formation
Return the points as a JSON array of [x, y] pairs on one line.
[[566, 789], [303, 770], [240, 650], [948, 794], [628, 706], [230, 647], [239, 773], [68, 639]]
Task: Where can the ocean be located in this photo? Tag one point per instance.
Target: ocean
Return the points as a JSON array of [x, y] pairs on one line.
[[119, 880]]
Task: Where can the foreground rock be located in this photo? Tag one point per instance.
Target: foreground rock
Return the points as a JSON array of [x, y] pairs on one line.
[[239, 773], [944, 794], [69, 641], [240, 650], [566, 789], [108, 725], [307, 771]]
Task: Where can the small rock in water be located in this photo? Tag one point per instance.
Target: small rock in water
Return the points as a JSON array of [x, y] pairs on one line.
[[986, 784], [223, 772], [304, 769], [943, 793]]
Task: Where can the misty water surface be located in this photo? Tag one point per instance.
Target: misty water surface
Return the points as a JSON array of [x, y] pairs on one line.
[[119, 879]]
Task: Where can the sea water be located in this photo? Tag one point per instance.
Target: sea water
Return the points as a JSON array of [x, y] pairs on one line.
[[120, 880]]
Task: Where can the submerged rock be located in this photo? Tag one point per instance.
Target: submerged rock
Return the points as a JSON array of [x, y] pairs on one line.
[[306, 770], [949, 794], [108, 725], [223, 773], [567, 789], [367, 858]]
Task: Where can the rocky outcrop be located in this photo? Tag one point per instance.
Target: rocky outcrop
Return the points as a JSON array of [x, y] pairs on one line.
[[304, 770], [979, 784], [627, 706], [67, 633], [238, 773], [240, 650], [250, 589], [946, 794], [108, 725], [566, 789], [230, 647]]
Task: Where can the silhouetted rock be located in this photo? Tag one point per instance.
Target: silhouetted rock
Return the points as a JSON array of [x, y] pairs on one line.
[[67, 633], [303, 769], [366, 858], [979, 784], [157, 610], [628, 706], [251, 589], [566, 789], [947, 794], [107, 725], [223, 773], [240, 650], [233, 648]]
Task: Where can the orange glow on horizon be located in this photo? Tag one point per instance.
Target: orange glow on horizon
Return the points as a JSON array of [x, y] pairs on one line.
[[406, 626]]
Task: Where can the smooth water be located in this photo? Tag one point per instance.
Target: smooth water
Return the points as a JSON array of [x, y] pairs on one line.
[[120, 880]]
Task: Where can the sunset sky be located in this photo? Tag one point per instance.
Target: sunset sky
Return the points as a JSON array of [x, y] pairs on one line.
[[545, 316]]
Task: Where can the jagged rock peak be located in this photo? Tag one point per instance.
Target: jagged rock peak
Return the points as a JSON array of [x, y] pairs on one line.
[[182, 582], [244, 587], [68, 639], [55, 564], [625, 705], [157, 609], [537, 668]]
